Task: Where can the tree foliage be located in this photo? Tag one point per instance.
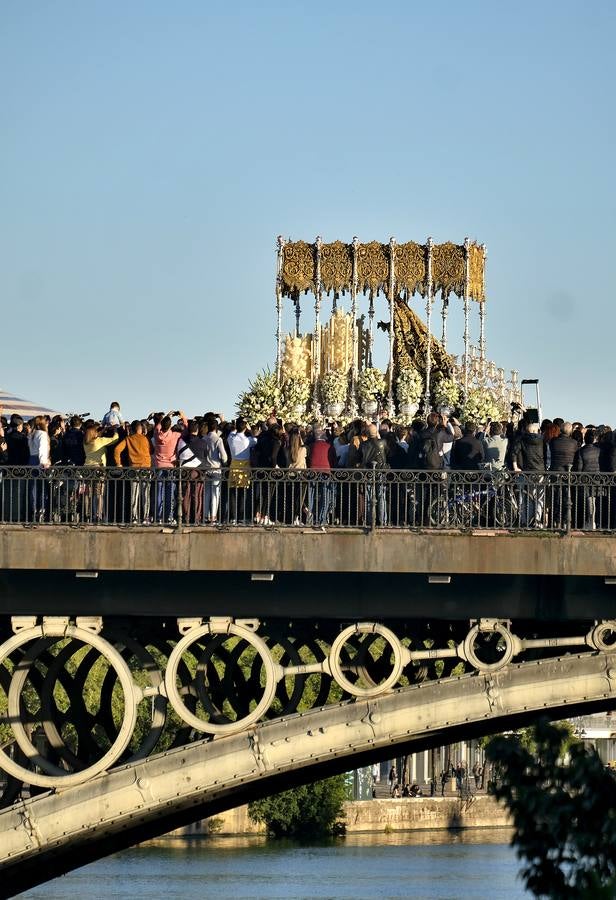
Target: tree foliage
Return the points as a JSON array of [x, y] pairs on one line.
[[306, 811], [563, 810]]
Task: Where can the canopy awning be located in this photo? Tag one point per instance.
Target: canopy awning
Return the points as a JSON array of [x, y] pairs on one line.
[[10, 404], [375, 267]]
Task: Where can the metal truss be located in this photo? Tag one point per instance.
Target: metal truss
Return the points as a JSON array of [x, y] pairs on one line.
[[80, 697]]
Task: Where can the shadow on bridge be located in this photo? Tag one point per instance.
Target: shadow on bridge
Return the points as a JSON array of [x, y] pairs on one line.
[[54, 833]]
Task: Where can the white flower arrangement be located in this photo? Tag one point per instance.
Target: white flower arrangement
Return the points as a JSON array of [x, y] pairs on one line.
[[370, 382], [295, 394], [446, 392], [409, 385], [333, 387], [261, 399], [480, 405]]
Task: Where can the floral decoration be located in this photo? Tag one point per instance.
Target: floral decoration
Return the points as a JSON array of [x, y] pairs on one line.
[[263, 397], [370, 383], [295, 394], [446, 392], [480, 405], [409, 385], [334, 386]]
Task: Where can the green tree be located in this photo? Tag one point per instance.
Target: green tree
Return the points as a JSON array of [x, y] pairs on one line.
[[563, 810], [306, 811]]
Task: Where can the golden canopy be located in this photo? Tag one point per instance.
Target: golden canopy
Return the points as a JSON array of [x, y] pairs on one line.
[[333, 264]]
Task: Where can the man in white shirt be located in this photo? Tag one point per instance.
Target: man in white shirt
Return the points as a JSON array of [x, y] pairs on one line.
[[240, 442]]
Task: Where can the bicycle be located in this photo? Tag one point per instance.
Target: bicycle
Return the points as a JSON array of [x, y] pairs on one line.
[[489, 502]]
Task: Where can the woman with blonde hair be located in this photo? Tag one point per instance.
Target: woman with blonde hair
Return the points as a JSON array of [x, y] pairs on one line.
[[96, 440], [297, 460]]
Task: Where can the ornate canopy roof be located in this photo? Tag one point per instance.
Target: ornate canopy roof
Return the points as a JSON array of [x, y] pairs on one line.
[[335, 266]]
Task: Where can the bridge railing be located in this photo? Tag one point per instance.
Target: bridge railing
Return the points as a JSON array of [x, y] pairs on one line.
[[292, 498]]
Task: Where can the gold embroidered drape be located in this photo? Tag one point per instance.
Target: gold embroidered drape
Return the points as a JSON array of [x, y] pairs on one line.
[[299, 258], [476, 266], [448, 269], [410, 267], [298, 268], [336, 267], [411, 341]]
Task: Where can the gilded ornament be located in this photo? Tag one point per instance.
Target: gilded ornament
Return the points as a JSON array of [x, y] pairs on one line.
[[373, 267], [298, 267], [337, 342], [336, 267], [297, 357], [476, 266], [448, 269], [410, 268]]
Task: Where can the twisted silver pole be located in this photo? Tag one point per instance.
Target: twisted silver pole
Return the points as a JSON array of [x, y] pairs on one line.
[[392, 286], [279, 260], [429, 297]]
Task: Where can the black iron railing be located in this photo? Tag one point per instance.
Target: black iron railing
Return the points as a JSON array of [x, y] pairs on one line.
[[342, 498]]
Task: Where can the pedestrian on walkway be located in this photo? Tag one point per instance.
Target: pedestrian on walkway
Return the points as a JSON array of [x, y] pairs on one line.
[[391, 779]]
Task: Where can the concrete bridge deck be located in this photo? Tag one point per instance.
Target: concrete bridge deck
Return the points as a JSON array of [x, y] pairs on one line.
[[307, 550], [62, 570]]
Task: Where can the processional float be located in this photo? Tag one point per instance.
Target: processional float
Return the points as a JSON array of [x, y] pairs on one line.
[[343, 345]]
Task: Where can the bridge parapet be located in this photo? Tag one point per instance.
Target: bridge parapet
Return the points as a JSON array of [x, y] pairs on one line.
[[289, 498], [492, 522], [190, 549]]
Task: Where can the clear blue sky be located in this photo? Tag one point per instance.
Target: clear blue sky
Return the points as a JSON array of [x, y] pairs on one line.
[[152, 151]]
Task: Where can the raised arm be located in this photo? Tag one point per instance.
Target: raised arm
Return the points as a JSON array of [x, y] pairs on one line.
[[117, 452]]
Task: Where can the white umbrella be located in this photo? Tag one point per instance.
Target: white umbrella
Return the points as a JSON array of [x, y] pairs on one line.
[[10, 404]]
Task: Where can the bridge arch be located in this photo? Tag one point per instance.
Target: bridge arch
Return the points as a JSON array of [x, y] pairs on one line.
[[66, 829]]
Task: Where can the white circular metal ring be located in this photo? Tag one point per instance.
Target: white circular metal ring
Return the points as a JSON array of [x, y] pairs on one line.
[[173, 694], [16, 686], [468, 648], [132, 696], [596, 637], [336, 667]]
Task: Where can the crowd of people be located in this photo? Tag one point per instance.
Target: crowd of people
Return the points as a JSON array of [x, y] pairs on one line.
[[207, 446], [457, 773]]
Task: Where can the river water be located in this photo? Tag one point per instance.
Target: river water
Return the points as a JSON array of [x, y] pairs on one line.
[[423, 865]]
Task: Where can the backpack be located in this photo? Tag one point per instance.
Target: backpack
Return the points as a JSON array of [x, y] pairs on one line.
[[429, 456]]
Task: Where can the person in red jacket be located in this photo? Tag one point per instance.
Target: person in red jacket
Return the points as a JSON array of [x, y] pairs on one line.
[[321, 493]]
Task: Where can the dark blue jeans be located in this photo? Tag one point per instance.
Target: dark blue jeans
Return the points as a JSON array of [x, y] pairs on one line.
[[165, 494]]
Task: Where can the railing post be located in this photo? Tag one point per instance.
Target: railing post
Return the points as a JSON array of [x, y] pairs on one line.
[[568, 502], [179, 495], [373, 501]]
